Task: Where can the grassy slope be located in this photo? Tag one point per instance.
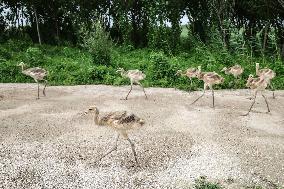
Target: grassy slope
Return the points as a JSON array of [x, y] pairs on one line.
[[72, 66]]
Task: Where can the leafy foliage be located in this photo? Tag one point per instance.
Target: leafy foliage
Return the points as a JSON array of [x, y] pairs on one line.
[[97, 42], [72, 66], [202, 183]]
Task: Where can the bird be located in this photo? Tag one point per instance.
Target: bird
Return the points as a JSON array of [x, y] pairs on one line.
[[135, 77], [37, 73], [190, 73], [235, 70], [121, 121], [209, 79], [257, 84], [268, 74]]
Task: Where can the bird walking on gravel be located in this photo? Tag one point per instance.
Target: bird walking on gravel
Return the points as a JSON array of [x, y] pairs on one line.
[[121, 122], [135, 77], [257, 85], [209, 79], [267, 74], [235, 70], [37, 73], [190, 73]]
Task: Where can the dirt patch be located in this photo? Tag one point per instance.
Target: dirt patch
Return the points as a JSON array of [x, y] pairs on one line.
[[47, 143]]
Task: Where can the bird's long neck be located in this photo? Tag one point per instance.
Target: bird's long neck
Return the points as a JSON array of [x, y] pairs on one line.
[[123, 73], [183, 73], [22, 66], [227, 71], [249, 81], [257, 69]]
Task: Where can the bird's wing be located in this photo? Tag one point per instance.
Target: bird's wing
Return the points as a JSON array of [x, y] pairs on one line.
[[112, 116], [37, 71], [213, 76], [137, 74], [128, 119]]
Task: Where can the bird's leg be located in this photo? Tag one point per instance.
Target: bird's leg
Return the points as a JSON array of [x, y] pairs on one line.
[[143, 89], [133, 150], [190, 89], [114, 148], [268, 110], [45, 81], [255, 93], [37, 90], [205, 86], [273, 89], [129, 91], [212, 96], [236, 82]]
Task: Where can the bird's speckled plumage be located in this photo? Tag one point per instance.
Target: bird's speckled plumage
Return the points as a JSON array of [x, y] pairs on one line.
[[235, 70], [121, 121], [265, 73]]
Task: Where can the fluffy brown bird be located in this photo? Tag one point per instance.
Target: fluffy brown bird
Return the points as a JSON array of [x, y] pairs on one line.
[[121, 122], [209, 79], [257, 84], [266, 73], [135, 77], [37, 74], [190, 73]]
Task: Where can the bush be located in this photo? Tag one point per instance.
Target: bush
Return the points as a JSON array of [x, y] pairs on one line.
[[162, 72], [97, 42]]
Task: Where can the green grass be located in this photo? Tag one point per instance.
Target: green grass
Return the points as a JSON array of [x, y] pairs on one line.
[[73, 66], [202, 183]]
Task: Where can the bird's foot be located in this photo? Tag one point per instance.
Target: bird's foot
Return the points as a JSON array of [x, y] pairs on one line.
[[37, 98], [123, 99]]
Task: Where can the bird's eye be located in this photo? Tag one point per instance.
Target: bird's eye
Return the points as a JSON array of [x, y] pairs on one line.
[[90, 108]]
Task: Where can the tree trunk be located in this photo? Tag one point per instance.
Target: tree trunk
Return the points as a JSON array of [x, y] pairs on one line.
[[37, 27]]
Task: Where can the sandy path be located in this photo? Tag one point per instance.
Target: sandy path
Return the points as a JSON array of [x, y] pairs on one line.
[[47, 143]]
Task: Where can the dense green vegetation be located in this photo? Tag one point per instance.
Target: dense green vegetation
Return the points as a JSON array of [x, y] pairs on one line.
[[71, 66], [84, 42]]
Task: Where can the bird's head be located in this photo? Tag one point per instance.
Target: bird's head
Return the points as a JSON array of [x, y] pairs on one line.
[[199, 68], [92, 109], [179, 72], [224, 69], [141, 122], [250, 76], [21, 64], [119, 70]]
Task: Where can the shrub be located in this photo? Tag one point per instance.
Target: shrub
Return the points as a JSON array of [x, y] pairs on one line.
[[162, 72], [97, 42], [34, 55]]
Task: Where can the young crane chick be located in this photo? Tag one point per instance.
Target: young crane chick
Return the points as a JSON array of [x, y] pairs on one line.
[[257, 84], [37, 73], [235, 70], [121, 122], [266, 73], [210, 79], [135, 77], [190, 73]]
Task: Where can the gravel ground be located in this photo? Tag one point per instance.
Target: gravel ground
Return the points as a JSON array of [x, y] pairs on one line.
[[48, 143]]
